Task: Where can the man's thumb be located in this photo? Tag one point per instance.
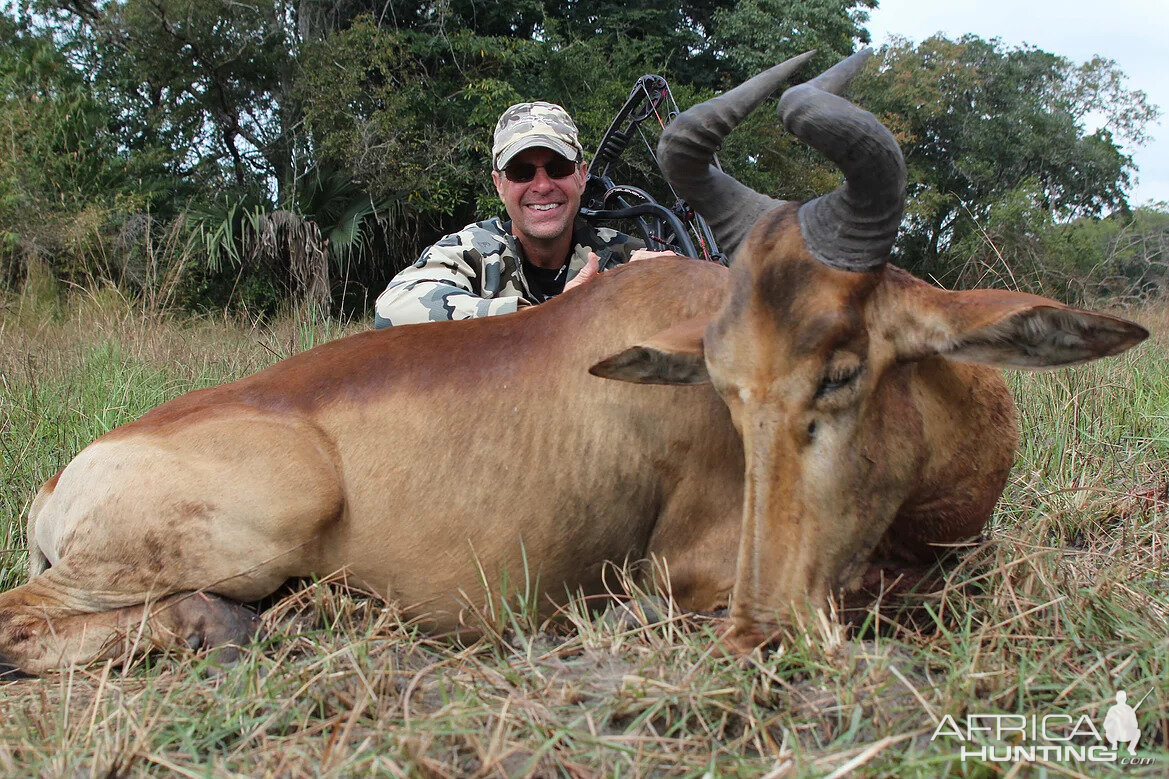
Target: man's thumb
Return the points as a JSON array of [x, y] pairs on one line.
[[590, 269]]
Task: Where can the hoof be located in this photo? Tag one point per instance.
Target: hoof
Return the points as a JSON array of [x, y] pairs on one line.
[[736, 642], [216, 625], [221, 660], [628, 615]]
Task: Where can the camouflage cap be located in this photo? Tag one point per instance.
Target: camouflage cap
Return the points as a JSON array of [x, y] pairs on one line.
[[528, 125]]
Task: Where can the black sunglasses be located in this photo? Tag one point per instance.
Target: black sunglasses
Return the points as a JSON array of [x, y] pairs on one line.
[[523, 172]]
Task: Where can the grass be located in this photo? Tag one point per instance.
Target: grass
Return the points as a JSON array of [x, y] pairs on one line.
[[1065, 602]]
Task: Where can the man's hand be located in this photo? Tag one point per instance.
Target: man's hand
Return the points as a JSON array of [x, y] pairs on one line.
[[647, 254], [591, 269]]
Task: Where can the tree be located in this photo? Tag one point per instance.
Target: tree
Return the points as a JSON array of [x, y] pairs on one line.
[[63, 170], [977, 119], [755, 34], [200, 83]]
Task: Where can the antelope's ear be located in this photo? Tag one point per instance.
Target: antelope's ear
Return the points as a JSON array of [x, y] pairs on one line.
[[673, 356], [1011, 330]]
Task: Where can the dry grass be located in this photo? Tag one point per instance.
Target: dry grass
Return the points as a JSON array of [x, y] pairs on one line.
[[1065, 602]]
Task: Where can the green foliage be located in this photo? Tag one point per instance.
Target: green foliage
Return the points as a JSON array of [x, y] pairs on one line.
[[1019, 244], [64, 180], [355, 132], [978, 120], [756, 34], [200, 84], [1123, 256], [386, 120]]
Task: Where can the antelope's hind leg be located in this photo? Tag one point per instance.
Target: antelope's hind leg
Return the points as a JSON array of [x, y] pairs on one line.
[[154, 539], [39, 633]]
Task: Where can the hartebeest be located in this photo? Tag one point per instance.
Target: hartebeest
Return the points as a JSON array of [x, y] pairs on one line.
[[431, 460]]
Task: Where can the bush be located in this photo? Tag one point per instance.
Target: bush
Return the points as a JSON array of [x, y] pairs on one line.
[[1020, 245]]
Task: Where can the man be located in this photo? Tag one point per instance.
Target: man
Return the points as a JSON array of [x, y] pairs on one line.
[[495, 267]]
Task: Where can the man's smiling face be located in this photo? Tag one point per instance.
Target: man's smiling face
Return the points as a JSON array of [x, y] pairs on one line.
[[543, 209]]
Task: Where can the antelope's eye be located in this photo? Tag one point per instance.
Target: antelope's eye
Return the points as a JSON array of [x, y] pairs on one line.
[[837, 378]]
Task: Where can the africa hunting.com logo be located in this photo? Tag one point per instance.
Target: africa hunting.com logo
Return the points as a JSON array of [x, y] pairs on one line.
[[1011, 738]]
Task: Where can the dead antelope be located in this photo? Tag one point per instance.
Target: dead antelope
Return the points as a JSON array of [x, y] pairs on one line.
[[853, 416]]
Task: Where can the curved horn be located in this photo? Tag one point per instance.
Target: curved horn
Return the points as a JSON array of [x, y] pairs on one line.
[[853, 227], [687, 147]]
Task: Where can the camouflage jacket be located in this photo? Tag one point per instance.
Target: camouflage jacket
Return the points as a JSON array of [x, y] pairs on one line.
[[477, 272]]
